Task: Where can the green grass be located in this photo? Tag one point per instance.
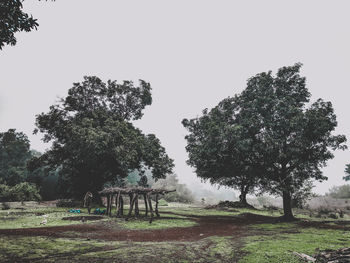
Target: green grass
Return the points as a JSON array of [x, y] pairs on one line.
[[260, 243], [277, 248], [213, 249], [29, 218]]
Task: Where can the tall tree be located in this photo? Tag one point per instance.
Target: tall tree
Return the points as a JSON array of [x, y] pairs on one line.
[[221, 146], [294, 140], [14, 153], [93, 138]]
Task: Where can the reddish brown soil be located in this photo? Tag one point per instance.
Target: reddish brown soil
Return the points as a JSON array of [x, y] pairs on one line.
[[235, 226], [207, 226]]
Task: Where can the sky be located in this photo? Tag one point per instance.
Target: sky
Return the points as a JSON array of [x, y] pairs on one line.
[[194, 53]]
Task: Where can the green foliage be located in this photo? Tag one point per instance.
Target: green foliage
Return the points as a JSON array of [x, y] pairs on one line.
[[68, 203], [302, 195], [294, 141], [19, 192], [162, 202], [342, 191], [347, 172], [182, 193], [14, 153], [13, 20], [93, 139], [267, 132], [220, 149]]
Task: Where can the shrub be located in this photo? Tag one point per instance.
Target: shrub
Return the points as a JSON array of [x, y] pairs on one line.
[[19, 192], [182, 193], [342, 191], [68, 203], [4, 193], [300, 197], [25, 192], [5, 206], [162, 202]]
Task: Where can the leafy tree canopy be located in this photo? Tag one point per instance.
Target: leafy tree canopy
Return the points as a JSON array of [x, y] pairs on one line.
[[93, 138], [221, 149], [271, 131], [295, 140], [12, 20]]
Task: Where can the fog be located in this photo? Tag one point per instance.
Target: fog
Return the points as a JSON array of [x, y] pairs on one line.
[[194, 54]]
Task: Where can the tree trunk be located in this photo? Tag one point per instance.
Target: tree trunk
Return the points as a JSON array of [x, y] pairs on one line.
[[243, 195], [287, 206], [243, 198]]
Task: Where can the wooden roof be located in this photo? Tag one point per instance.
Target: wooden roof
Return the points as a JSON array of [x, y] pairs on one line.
[[131, 190]]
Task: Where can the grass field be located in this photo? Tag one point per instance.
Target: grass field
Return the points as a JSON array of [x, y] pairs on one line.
[[181, 234]]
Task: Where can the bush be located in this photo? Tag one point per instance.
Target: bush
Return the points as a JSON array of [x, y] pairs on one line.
[[25, 192], [182, 193], [300, 197], [20, 192], [162, 202], [342, 191], [68, 203], [5, 206]]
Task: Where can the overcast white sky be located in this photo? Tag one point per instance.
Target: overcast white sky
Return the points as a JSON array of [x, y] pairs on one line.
[[194, 54]]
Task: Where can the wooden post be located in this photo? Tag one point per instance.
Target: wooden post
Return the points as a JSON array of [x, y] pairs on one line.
[[137, 213], [107, 207], [131, 204], [156, 210], [150, 207], [110, 205], [146, 205], [117, 204], [121, 205]]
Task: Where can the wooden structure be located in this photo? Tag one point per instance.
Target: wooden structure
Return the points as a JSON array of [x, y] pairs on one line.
[[115, 195]]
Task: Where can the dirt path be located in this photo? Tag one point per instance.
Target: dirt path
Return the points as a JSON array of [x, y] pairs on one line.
[[234, 226], [207, 226]]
